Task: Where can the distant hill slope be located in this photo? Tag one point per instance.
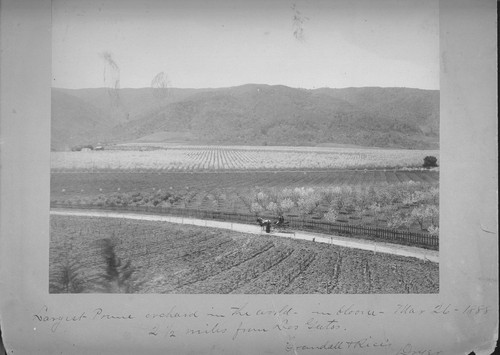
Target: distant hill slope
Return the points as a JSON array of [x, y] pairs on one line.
[[74, 121], [414, 105], [273, 115], [125, 105]]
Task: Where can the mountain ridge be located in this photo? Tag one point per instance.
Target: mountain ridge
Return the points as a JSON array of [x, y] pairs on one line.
[[257, 114]]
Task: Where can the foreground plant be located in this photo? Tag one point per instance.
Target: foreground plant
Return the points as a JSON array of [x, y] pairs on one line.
[[118, 277], [68, 278]]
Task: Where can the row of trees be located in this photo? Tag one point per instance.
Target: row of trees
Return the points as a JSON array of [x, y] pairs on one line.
[[426, 216], [399, 205], [403, 205], [375, 197]]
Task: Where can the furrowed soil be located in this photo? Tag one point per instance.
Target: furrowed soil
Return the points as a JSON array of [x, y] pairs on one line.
[[170, 258], [69, 185]]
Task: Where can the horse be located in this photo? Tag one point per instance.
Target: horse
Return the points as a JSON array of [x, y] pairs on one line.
[[264, 224]]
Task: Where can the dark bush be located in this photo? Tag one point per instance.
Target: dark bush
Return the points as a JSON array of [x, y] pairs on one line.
[[430, 162], [118, 276], [164, 196]]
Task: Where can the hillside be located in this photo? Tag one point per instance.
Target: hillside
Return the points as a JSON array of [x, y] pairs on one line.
[[74, 121], [270, 115], [125, 105]]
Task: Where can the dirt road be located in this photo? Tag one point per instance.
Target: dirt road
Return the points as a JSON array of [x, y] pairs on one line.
[[376, 247]]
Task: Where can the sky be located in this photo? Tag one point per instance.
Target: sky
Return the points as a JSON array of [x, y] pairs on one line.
[[222, 43]]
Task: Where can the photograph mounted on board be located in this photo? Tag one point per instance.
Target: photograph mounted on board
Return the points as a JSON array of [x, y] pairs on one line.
[[238, 147]]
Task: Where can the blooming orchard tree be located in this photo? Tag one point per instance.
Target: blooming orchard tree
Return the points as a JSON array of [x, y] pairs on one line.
[[332, 215], [329, 195], [399, 219], [433, 230], [433, 214], [232, 201], [261, 196], [302, 192], [308, 203], [338, 202], [416, 197], [272, 207], [375, 208], [349, 202], [358, 212], [287, 204], [434, 195], [286, 193], [256, 208], [423, 213]]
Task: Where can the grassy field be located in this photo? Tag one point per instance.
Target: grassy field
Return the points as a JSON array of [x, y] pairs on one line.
[[170, 258]]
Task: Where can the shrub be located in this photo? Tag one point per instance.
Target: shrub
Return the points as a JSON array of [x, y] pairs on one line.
[[137, 197], [430, 162]]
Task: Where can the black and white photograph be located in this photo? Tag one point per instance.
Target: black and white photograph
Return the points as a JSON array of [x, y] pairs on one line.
[[248, 177], [245, 147]]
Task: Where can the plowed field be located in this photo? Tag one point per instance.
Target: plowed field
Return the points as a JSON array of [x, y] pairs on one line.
[[172, 258]]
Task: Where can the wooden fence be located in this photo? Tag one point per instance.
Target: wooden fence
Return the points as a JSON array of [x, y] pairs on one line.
[[420, 239]]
